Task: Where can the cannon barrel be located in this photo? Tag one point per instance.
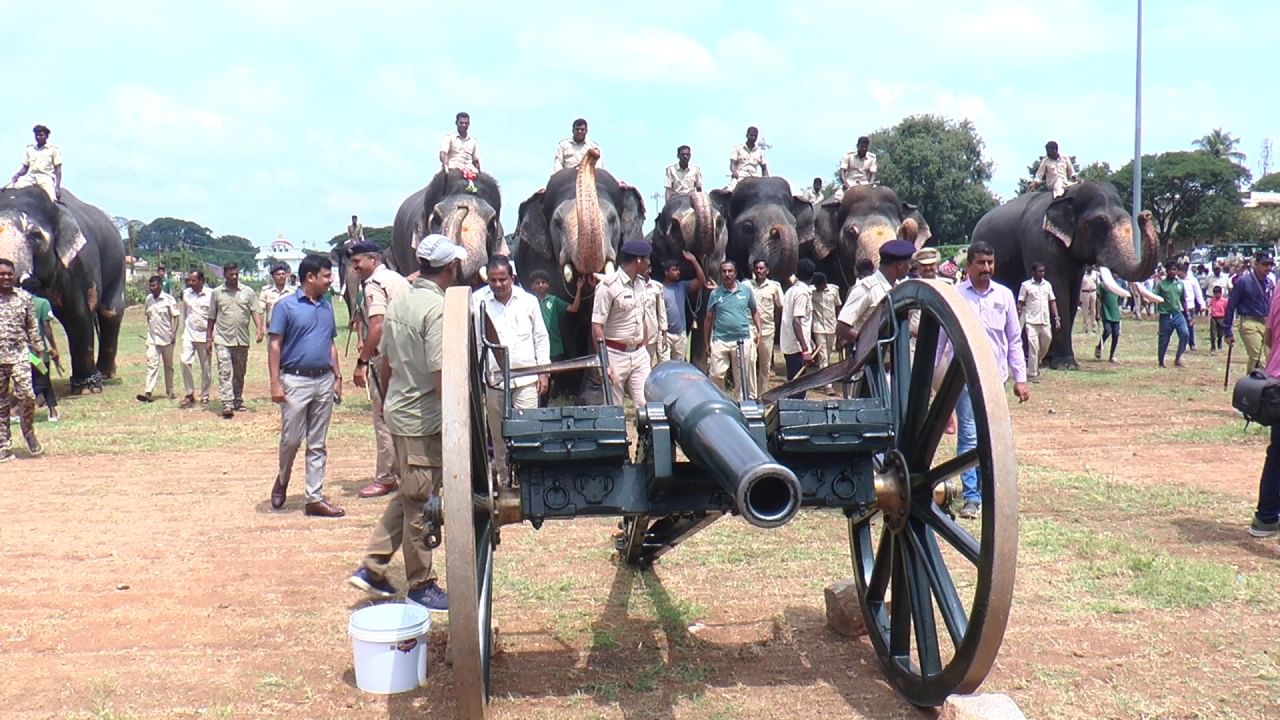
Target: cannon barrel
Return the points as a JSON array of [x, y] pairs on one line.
[[713, 434]]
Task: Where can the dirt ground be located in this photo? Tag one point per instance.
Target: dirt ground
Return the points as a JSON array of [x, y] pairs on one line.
[[145, 576]]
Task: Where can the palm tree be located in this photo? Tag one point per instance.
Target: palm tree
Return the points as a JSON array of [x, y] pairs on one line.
[[1220, 144]]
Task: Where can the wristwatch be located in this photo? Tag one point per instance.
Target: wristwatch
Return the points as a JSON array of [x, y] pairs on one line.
[[362, 363]]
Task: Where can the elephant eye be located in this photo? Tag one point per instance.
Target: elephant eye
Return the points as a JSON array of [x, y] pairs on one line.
[[749, 226], [436, 218]]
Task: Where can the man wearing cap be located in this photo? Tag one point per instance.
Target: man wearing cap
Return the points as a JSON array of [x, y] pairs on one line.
[[926, 260], [379, 285], [516, 316], [732, 315], [866, 294], [273, 291], [617, 318], [412, 352], [1249, 302], [768, 296]]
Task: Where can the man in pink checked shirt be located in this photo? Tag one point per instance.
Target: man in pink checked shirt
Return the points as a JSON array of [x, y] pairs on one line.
[[1266, 518]]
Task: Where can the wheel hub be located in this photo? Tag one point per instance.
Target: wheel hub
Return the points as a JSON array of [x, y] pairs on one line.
[[892, 483]]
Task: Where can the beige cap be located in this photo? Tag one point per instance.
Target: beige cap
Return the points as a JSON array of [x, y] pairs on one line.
[[927, 256]]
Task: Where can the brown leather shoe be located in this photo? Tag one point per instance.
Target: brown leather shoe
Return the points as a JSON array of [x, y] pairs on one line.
[[322, 508], [378, 489], [277, 494]]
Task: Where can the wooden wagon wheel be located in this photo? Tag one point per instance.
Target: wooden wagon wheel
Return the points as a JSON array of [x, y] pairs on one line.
[[469, 523], [914, 563]]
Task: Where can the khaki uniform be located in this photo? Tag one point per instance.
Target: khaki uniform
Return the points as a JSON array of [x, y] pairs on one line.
[[232, 314], [1036, 298], [19, 335], [826, 303], [863, 297], [655, 322], [1055, 174], [269, 297], [355, 233], [745, 162], [413, 342], [460, 153], [619, 309], [813, 197], [1089, 301], [41, 163], [195, 326], [856, 170], [683, 181], [569, 154], [768, 300], [163, 314], [381, 287]]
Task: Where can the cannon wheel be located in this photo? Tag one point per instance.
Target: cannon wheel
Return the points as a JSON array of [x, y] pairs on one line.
[[931, 641], [469, 523]]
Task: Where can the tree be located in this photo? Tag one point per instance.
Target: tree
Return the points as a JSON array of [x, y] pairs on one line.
[[1260, 225], [937, 164], [1267, 183], [1189, 194], [1220, 144], [1096, 172], [380, 235]]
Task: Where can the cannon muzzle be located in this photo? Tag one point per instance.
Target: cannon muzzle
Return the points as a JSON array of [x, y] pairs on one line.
[[713, 434]]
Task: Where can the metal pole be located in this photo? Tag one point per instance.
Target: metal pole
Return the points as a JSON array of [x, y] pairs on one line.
[[1137, 139]]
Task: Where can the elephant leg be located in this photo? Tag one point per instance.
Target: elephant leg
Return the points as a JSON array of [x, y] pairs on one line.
[[108, 342], [79, 327], [1061, 354]]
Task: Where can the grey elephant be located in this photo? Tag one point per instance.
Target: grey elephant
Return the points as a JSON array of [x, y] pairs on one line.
[[765, 222], [76, 253], [573, 228], [465, 210], [855, 227], [693, 222], [1087, 225]]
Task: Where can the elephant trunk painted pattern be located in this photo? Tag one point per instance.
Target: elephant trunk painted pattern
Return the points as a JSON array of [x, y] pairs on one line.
[[586, 233], [703, 232]]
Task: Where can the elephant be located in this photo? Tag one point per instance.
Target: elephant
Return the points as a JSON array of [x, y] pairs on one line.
[[573, 228], [466, 211], [855, 226], [350, 279], [1087, 225], [76, 253], [765, 221], [693, 222]]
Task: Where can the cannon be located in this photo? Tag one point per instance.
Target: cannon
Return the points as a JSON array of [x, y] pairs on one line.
[[935, 592]]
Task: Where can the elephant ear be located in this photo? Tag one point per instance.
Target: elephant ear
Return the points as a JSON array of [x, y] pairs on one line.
[[532, 226], [1060, 219], [827, 225], [913, 212], [632, 214], [501, 246], [721, 200], [806, 220], [69, 239]]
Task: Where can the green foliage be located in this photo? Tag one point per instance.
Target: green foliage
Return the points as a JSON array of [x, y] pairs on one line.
[[1220, 144], [380, 235], [1189, 194], [1260, 225], [1267, 183], [937, 164], [1096, 172], [182, 244]]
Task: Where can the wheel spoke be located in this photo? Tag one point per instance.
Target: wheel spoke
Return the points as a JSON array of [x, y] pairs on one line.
[[944, 403], [900, 617], [959, 538], [919, 586], [881, 569], [950, 606], [942, 471], [901, 369]]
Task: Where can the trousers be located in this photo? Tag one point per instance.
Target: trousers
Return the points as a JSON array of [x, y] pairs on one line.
[[524, 397], [158, 355], [677, 348], [629, 369], [384, 464], [1089, 309], [304, 415], [1253, 333], [418, 464], [15, 386], [191, 352], [1039, 338], [232, 361], [764, 363], [722, 357], [1169, 324]]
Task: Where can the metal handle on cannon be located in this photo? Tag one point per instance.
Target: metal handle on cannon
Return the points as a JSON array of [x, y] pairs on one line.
[[713, 433]]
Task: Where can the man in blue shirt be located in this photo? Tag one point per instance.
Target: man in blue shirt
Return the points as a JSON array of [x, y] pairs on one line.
[[1251, 298], [676, 294], [302, 360]]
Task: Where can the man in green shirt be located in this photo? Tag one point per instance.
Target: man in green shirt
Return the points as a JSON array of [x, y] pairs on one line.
[[731, 316], [231, 309], [412, 355], [1173, 313], [553, 311], [1108, 307], [40, 381]]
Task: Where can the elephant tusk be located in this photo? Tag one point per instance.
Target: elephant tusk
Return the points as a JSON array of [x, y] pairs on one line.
[[567, 272], [608, 267], [484, 274], [1109, 282]]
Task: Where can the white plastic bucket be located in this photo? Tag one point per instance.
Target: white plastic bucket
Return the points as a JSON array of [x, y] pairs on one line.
[[390, 645]]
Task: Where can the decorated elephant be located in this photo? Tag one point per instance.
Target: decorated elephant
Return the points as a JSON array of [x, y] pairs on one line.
[[76, 253], [855, 226], [765, 222], [573, 228], [1087, 225], [465, 210]]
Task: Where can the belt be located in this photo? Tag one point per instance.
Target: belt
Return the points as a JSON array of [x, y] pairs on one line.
[[320, 372], [621, 346], [1089, 291], [1258, 318]]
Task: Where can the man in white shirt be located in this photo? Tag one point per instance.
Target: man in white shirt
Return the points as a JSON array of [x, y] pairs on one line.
[[1089, 298], [826, 303], [41, 166], [458, 150], [1055, 171], [195, 331], [162, 313], [1039, 308], [796, 334], [858, 167], [768, 294], [747, 160], [517, 318], [681, 176], [570, 151], [1193, 294], [813, 194]]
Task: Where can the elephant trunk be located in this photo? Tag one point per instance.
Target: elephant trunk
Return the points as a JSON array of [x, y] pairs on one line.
[[688, 223], [1117, 252], [587, 228], [870, 240], [780, 246], [703, 231], [469, 232]]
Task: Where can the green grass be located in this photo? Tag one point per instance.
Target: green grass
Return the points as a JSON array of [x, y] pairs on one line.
[[1232, 433]]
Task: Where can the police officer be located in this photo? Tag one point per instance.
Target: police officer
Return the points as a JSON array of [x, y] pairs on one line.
[[618, 318]]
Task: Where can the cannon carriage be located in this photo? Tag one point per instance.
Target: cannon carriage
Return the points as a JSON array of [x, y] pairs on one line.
[[935, 594]]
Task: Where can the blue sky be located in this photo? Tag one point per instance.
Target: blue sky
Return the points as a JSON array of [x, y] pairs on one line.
[[270, 116]]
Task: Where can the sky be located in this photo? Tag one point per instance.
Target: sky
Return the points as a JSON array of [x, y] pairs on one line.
[[281, 116]]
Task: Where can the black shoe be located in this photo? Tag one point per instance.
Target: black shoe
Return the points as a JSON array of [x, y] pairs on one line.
[[1097, 353], [375, 587], [227, 412], [429, 596], [144, 397]]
